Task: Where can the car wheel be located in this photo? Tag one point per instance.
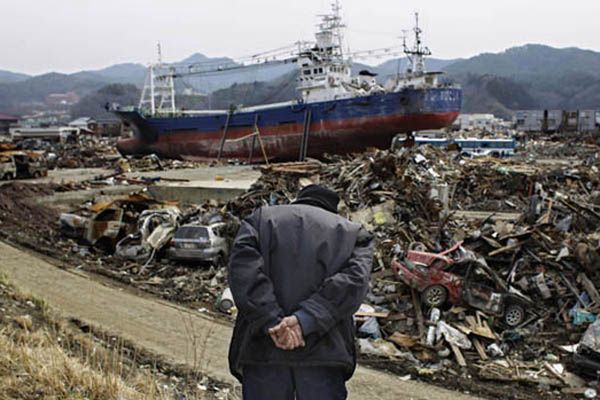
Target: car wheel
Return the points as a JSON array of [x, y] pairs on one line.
[[37, 175], [514, 315], [434, 296]]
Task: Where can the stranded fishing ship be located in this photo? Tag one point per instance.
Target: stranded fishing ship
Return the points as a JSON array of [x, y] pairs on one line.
[[336, 113]]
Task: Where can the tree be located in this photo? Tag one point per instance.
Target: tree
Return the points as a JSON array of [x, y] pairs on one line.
[[93, 105]]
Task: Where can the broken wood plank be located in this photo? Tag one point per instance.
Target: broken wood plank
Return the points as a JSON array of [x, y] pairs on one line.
[[553, 372], [464, 329], [396, 317], [402, 340], [420, 319], [491, 242], [372, 314], [505, 249], [573, 290], [480, 349], [460, 359]]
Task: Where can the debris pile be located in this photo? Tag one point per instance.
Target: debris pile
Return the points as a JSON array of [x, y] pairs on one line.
[[157, 246], [88, 152], [484, 268], [561, 145], [512, 292], [154, 163]]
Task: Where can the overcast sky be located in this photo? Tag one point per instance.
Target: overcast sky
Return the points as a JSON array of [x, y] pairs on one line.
[[38, 36]]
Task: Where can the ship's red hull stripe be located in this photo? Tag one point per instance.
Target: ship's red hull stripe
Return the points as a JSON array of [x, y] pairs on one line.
[[282, 142]]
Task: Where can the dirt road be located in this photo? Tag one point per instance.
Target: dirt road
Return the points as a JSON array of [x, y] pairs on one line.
[[180, 335]]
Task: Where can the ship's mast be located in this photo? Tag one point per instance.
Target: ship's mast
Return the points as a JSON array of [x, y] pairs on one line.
[[338, 26], [416, 55], [158, 87], [330, 37]]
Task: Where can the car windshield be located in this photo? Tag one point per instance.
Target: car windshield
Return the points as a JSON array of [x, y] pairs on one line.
[[192, 232]]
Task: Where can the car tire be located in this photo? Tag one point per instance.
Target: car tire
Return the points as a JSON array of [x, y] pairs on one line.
[[8, 176], [514, 315], [37, 175], [434, 296]]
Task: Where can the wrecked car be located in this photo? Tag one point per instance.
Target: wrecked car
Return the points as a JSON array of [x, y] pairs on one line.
[[452, 277], [100, 229], [199, 243], [8, 168], [103, 224], [155, 229], [22, 165], [30, 165]]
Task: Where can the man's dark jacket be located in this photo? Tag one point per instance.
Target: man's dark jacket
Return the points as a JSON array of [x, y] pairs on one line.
[[302, 260]]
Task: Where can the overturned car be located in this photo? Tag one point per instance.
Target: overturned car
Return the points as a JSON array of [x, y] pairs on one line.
[[455, 277], [155, 229]]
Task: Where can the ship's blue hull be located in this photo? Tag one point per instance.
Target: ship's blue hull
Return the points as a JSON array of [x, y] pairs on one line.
[[338, 126]]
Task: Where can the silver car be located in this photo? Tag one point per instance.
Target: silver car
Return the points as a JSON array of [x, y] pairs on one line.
[[199, 243]]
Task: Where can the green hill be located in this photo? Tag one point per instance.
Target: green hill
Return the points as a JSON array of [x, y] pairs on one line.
[[530, 76]]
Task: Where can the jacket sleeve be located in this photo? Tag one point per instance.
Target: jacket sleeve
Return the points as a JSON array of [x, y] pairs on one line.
[[252, 289], [342, 293]]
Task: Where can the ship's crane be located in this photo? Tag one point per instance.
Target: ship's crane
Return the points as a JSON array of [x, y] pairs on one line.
[[158, 94]]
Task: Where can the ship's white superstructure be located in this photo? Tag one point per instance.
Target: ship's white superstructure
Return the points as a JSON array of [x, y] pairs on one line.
[[325, 71]]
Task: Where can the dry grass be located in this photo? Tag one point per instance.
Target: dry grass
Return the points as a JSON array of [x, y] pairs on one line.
[[41, 358], [34, 365]]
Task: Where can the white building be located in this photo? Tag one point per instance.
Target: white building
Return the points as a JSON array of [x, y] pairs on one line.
[[56, 134], [556, 120], [84, 124], [484, 122]]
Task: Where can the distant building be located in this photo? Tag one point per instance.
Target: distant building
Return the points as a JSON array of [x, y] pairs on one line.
[[549, 121], [84, 124], [586, 121], [108, 126], [529, 120], [46, 118], [61, 99], [483, 122], [6, 121], [55, 134]]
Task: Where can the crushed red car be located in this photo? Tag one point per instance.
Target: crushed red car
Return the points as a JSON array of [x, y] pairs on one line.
[[455, 277]]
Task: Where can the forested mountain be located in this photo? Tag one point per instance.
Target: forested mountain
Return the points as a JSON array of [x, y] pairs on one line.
[[531, 76]]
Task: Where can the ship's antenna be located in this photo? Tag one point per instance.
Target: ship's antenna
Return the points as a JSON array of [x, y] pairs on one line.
[[159, 53], [337, 25], [405, 48], [419, 52]]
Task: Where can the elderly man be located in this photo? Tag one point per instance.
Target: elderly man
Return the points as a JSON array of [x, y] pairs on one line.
[[298, 273]]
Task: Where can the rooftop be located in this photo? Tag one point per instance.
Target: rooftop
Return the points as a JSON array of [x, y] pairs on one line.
[[6, 117]]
